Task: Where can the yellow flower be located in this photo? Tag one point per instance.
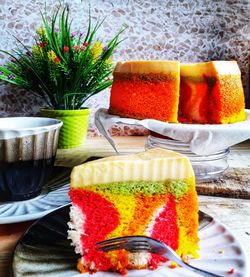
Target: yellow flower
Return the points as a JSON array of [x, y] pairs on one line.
[[108, 61], [96, 49], [36, 50], [41, 31], [52, 56]]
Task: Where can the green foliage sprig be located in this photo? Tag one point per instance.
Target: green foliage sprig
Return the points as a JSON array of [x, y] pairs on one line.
[[63, 66]]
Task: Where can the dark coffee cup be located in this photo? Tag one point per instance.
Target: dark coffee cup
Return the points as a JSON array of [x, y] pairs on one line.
[[27, 153]]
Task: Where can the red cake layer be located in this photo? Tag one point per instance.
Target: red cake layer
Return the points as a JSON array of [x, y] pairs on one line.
[[139, 98], [195, 106], [165, 228], [98, 224], [211, 93], [101, 218]]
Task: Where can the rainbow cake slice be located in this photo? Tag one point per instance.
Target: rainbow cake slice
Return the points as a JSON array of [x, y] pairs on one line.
[[150, 193], [146, 89], [211, 93]]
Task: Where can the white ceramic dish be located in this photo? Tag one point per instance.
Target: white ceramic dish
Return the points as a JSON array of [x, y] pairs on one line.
[[44, 250], [53, 196]]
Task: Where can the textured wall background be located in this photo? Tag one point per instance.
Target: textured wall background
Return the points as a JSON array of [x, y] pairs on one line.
[[197, 30]]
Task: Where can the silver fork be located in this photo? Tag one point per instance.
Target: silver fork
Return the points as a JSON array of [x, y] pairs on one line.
[[147, 244]]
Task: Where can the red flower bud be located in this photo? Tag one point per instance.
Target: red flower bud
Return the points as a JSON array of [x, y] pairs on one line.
[[56, 60], [76, 47], [66, 49], [42, 44], [86, 44]]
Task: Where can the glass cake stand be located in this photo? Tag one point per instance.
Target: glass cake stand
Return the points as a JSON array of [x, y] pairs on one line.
[[206, 168]]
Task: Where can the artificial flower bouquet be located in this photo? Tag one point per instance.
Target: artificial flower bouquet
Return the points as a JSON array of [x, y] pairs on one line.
[[65, 67]]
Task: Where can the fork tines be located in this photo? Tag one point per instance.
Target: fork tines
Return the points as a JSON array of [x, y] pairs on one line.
[[129, 243], [121, 239]]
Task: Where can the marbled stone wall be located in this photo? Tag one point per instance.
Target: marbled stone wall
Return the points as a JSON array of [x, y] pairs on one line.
[[196, 30]]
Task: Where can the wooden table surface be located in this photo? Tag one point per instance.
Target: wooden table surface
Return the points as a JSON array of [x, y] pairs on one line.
[[234, 213]]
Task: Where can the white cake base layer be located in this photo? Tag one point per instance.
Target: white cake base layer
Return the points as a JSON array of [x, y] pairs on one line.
[[76, 229]]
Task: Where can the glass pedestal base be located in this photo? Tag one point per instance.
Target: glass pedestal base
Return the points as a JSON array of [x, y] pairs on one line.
[[206, 168]]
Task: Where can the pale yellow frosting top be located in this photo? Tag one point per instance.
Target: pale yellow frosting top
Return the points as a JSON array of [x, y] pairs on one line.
[[153, 165], [212, 68], [153, 66]]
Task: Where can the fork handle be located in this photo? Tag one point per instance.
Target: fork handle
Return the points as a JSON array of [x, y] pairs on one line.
[[198, 270]]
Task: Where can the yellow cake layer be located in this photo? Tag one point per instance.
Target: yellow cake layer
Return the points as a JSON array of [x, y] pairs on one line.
[[208, 69], [152, 165], [145, 67]]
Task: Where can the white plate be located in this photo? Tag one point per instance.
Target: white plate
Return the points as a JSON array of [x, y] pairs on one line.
[[203, 139], [53, 196], [214, 238], [44, 250]]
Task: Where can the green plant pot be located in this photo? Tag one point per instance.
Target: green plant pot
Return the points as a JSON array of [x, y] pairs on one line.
[[75, 125]]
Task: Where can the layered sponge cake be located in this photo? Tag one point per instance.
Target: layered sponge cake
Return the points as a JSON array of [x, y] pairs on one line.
[[204, 93], [211, 92], [150, 193], [146, 89]]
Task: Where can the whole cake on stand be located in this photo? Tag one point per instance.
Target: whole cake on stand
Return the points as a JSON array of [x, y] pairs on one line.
[[203, 93]]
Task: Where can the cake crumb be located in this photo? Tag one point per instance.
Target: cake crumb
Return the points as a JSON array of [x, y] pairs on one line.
[[123, 272], [172, 265], [153, 265], [221, 251]]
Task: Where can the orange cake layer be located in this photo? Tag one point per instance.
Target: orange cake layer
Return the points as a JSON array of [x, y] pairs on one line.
[[205, 93], [211, 92], [146, 89], [151, 193]]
